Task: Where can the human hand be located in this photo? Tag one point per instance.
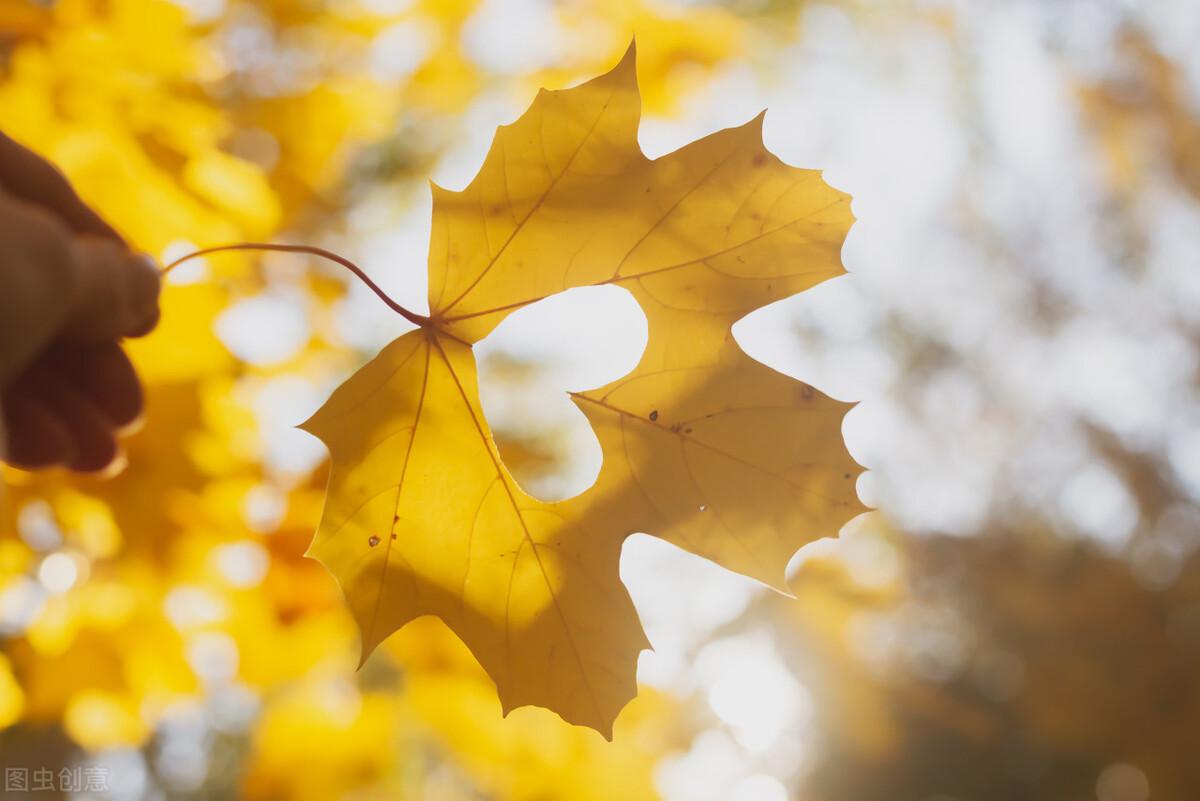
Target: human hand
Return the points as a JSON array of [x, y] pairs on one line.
[[70, 290]]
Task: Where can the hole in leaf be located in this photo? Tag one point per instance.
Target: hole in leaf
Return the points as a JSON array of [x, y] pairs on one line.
[[575, 340]]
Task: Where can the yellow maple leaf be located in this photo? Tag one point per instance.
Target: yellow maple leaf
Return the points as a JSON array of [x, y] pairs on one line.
[[702, 445]]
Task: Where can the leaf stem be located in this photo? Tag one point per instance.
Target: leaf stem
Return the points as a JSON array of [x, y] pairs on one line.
[[412, 317]]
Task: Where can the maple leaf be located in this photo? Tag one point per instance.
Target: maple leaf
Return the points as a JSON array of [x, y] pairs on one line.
[[702, 445]]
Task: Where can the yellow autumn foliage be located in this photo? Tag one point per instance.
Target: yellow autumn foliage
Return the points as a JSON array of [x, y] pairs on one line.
[[182, 579]]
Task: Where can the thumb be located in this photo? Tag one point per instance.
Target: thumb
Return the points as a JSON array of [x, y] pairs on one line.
[[116, 293]]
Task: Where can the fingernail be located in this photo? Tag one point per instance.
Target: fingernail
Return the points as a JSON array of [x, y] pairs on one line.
[[114, 468], [133, 426]]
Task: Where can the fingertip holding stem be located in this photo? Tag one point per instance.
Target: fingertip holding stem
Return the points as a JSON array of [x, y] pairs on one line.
[[117, 296], [144, 285], [116, 293]]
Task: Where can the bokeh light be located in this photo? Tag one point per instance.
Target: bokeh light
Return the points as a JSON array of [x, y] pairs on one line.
[[1020, 326]]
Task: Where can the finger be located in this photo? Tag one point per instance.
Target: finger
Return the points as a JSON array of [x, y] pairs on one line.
[[36, 439], [104, 375], [30, 177], [117, 294], [93, 441], [39, 278]]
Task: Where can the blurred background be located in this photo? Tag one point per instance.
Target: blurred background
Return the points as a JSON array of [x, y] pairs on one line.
[[1020, 618]]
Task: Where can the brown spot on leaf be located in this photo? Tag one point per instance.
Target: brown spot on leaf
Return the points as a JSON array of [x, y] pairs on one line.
[[373, 541], [653, 415]]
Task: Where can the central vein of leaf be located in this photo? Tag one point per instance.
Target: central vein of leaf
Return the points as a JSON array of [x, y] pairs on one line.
[[528, 538]]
